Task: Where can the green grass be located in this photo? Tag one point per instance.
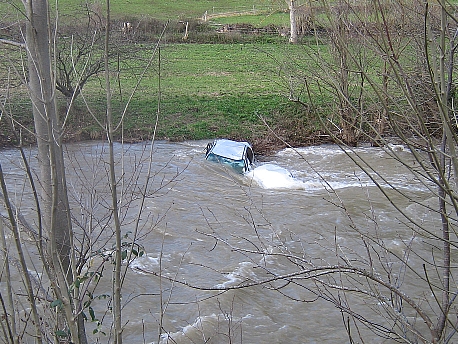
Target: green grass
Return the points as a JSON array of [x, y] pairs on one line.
[[170, 9], [204, 117], [276, 18], [222, 69], [159, 9], [177, 9], [207, 91], [215, 70]]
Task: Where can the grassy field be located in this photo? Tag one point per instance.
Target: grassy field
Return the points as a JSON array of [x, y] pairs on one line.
[[215, 84], [262, 12], [160, 9], [187, 9], [276, 18], [207, 90]]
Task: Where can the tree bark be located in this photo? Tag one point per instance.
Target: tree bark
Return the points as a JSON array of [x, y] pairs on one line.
[[293, 22], [54, 200], [48, 132], [114, 195]]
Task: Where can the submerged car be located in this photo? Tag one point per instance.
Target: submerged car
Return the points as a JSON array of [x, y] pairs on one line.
[[238, 155]]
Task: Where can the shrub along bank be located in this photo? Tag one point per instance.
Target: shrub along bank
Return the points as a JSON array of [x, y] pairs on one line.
[[214, 84]]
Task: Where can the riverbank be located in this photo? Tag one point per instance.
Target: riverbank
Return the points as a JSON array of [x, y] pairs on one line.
[[205, 90], [242, 90], [265, 138]]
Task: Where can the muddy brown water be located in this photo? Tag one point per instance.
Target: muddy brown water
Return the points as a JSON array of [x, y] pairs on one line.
[[205, 226]]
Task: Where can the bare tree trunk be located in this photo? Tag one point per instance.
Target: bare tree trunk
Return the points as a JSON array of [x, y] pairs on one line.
[[48, 132], [340, 43], [55, 205], [9, 308], [381, 122], [292, 20], [114, 196], [447, 149], [346, 111]]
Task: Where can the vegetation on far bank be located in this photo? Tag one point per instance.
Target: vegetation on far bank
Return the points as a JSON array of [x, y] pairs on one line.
[[212, 84], [229, 76]]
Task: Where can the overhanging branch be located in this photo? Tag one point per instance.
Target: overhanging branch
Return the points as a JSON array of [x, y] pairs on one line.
[[14, 43]]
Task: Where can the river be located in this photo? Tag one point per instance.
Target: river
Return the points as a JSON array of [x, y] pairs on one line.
[[205, 226]]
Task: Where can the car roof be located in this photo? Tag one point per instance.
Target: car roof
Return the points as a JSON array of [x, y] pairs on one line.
[[230, 149]]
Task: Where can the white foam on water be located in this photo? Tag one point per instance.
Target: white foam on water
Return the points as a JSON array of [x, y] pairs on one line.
[[243, 271], [204, 328], [143, 264], [397, 147], [270, 176], [323, 151], [274, 177]]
